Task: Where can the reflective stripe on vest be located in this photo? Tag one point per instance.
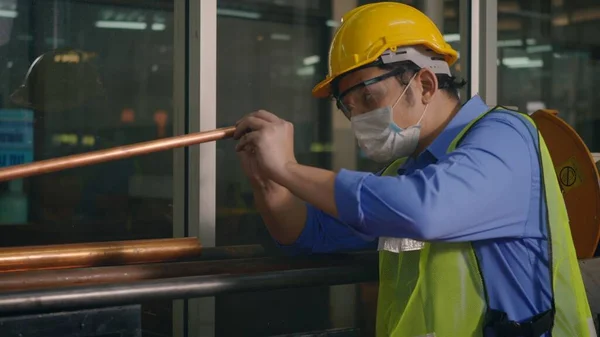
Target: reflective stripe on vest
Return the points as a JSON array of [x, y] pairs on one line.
[[439, 290]]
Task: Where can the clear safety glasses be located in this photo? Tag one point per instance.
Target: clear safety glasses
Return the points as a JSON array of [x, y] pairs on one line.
[[366, 96]]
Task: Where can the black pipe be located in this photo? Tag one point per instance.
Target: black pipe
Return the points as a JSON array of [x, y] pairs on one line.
[[96, 296], [230, 253]]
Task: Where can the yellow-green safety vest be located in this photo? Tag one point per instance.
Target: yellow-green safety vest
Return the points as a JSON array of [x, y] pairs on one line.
[[439, 289]]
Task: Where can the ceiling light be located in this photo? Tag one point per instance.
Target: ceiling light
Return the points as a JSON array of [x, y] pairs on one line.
[[311, 60], [332, 23], [122, 25], [158, 26], [280, 37], [8, 13], [238, 14], [452, 37]]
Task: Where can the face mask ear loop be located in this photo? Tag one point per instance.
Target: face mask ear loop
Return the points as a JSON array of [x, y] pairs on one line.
[[404, 91], [424, 111], [423, 115]]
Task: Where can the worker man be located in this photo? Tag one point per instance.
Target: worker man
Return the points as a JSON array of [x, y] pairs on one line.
[[468, 217]]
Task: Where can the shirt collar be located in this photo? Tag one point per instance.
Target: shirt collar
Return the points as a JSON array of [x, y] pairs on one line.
[[468, 112]]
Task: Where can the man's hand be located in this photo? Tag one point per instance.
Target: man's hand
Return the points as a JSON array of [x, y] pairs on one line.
[[251, 169], [266, 144], [269, 140]]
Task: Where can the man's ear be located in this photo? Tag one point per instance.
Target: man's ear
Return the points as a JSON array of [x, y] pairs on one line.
[[429, 83]]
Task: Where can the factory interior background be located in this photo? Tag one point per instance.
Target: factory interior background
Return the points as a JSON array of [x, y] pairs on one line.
[[117, 72]]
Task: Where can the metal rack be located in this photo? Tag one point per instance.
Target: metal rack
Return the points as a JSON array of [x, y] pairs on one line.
[[229, 270]]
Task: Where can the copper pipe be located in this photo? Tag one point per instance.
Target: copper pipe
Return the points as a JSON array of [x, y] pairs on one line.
[[115, 153], [97, 254], [43, 279]]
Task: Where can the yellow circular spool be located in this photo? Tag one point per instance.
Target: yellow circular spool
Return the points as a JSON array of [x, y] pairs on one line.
[[578, 178]]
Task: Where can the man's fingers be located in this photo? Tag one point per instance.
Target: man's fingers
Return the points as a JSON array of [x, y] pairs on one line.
[[249, 123], [247, 140], [264, 114]]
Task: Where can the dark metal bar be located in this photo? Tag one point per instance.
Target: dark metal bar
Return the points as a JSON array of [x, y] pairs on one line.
[[95, 296], [231, 252], [97, 254], [340, 332], [123, 321], [115, 153]]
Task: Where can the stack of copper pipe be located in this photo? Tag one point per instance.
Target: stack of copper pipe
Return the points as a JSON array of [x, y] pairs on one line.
[[57, 266], [91, 263]]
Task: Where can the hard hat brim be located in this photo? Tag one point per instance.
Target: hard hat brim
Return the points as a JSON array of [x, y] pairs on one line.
[[323, 88]]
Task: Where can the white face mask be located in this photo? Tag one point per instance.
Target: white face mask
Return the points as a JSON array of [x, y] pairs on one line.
[[381, 138]]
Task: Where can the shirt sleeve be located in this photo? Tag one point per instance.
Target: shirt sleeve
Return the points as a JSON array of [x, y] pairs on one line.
[[482, 190], [323, 233]]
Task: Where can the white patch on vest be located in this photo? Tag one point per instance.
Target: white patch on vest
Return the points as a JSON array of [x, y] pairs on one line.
[[591, 327], [397, 245]]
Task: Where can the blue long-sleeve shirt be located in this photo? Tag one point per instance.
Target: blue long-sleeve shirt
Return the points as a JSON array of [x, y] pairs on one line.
[[487, 192]]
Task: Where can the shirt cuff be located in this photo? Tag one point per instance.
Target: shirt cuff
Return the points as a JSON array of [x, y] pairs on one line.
[[302, 245], [347, 196]]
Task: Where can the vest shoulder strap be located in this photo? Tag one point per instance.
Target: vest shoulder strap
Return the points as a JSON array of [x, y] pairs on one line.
[[495, 319], [497, 108], [393, 167]]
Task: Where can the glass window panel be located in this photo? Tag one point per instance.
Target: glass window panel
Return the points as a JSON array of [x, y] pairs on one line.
[[103, 78], [267, 63], [548, 58], [270, 55]]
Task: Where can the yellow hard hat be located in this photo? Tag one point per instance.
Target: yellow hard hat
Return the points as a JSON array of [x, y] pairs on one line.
[[369, 30]]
